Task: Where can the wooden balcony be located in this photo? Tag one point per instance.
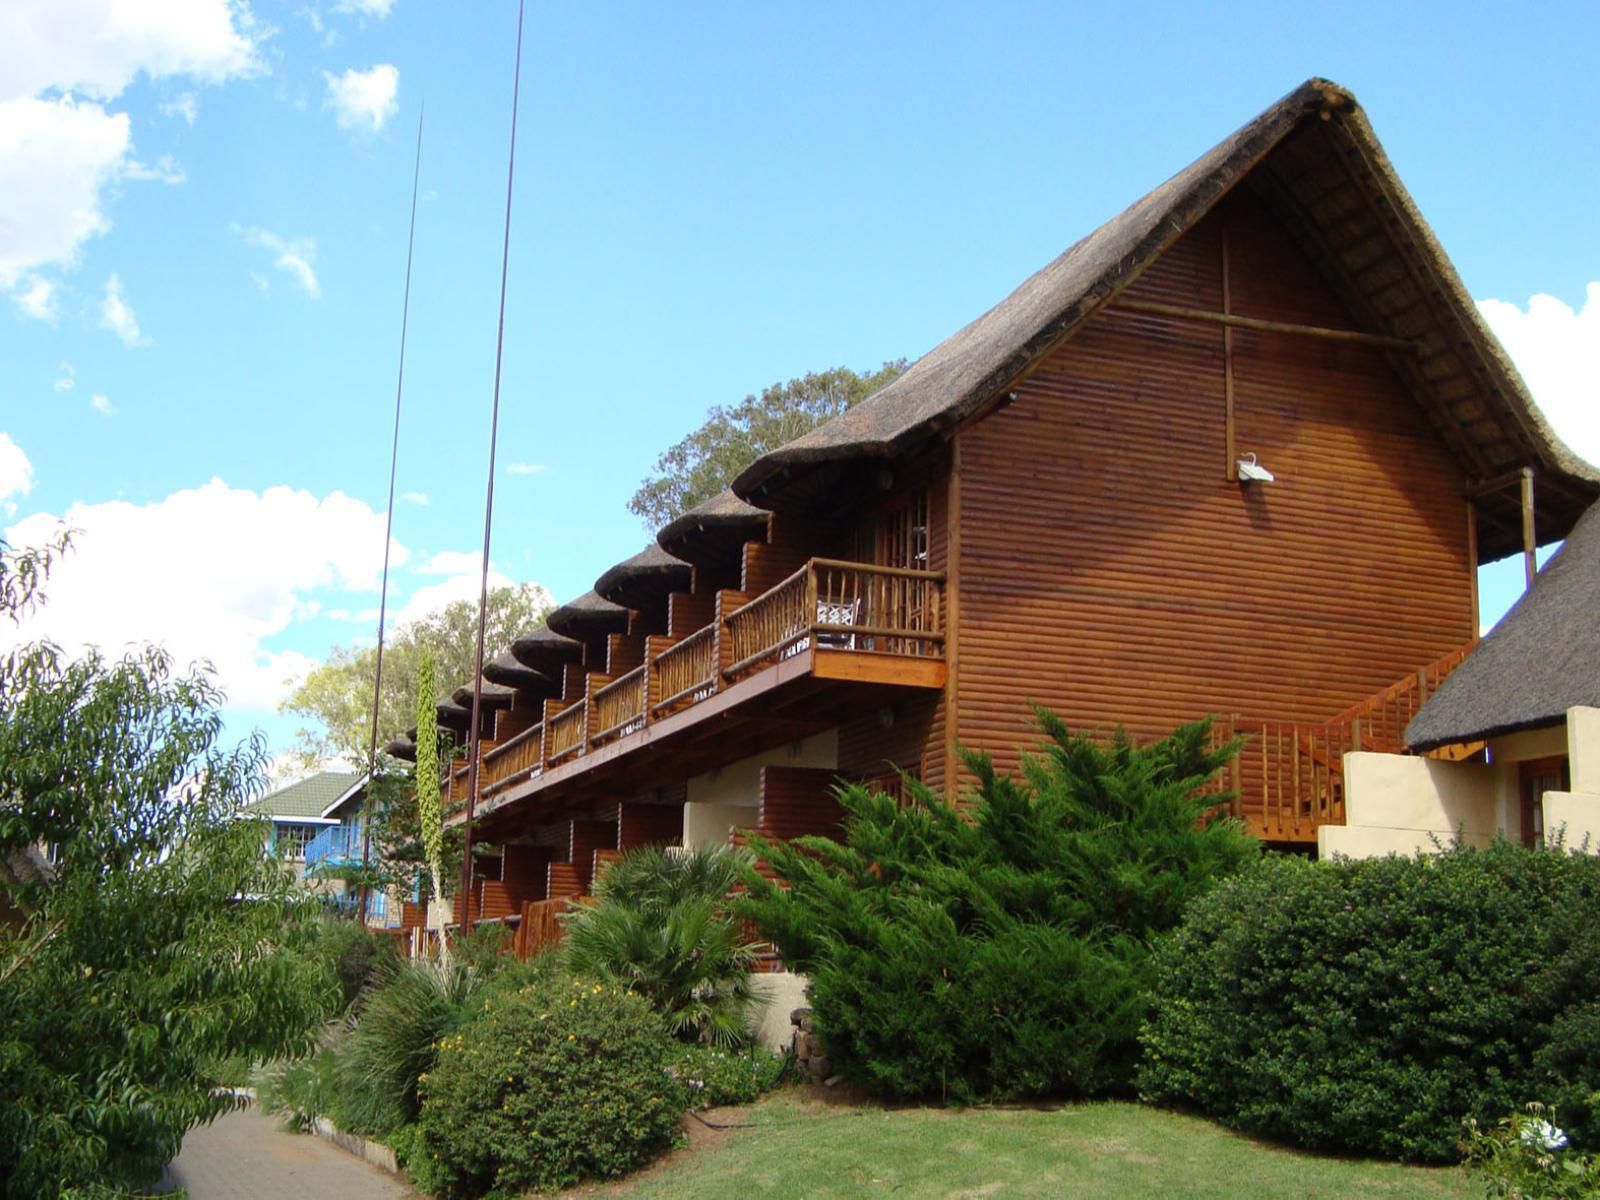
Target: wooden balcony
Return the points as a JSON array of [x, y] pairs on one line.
[[844, 622]]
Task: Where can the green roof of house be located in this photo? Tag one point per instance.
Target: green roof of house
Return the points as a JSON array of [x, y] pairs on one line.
[[308, 798]]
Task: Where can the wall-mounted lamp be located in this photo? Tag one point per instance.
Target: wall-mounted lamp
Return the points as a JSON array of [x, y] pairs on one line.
[[1251, 471]]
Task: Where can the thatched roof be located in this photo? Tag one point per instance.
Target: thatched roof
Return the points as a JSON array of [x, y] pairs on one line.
[[710, 533], [507, 669], [1315, 161], [403, 748], [645, 579], [544, 649], [495, 695], [588, 617], [1540, 660]]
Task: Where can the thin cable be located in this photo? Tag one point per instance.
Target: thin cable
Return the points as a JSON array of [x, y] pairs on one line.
[[388, 523], [473, 743]]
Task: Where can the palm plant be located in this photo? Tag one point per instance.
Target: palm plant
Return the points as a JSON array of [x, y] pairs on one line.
[[660, 926]]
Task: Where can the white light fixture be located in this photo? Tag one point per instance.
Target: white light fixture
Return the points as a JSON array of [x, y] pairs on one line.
[[1251, 471]]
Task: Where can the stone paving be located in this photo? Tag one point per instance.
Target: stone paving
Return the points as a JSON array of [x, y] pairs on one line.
[[245, 1156]]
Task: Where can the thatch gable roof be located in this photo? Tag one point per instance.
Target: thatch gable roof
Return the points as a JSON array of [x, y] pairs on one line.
[[588, 617], [507, 669], [1540, 660], [545, 650], [495, 695], [1317, 163], [711, 532], [645, 579], [402, 748]]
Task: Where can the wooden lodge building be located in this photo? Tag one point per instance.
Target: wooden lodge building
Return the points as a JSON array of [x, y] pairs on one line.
[[1239, 452]]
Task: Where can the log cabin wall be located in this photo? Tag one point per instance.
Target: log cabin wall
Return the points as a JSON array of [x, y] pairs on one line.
[[1108, 569]]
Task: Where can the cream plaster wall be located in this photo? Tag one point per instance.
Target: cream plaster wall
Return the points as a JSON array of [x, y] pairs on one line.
[[721, 800], [781, 993], [1397, 804]]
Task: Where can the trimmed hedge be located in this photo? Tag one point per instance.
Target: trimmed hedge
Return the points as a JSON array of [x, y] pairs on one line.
[[562, 1080], [1373, 1006]]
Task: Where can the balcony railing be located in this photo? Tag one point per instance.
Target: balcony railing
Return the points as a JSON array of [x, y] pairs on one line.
[[827, 605], [512, 759], [619, 707], [333, 845]]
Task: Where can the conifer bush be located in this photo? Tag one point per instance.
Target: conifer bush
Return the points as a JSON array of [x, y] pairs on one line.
[[1001, 948], [1373, 1006]]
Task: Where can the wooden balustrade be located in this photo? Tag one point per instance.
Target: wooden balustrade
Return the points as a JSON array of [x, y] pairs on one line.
[[618, 707], [566, 731], [771, 625], [1292, 777], [827, 604], [1379, 722], [512, 759], [685, 672]]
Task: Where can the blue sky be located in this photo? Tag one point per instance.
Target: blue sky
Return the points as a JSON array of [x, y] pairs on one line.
[[202, 245]]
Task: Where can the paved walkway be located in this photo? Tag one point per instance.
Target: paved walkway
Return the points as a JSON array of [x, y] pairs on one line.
[[245, 1156]]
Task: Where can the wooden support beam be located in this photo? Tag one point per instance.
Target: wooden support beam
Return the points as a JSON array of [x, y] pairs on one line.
[[1231, 458], [1530, 540], [1183, 313]]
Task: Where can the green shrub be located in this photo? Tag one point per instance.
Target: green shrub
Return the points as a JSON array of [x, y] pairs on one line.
[[300, 1089], [557, 1082], [660, 926], [483, 948], [356, 955], [1001, 950], [713, 1076], [1372, 1006]]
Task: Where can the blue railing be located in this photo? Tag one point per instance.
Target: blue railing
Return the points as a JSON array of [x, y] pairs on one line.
[[334, 846]]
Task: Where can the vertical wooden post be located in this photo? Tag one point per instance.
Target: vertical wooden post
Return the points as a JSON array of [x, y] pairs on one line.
[[1235, 770], [1472, 566], [1529, 562], [1227, 364]]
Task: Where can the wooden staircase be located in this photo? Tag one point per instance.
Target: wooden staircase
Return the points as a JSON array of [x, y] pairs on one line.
[[1288, 779]]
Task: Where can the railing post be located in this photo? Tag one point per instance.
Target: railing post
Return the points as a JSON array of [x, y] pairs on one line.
[[1355, 733], [810, 610]]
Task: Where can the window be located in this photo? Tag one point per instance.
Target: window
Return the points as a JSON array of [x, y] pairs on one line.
[[1538, 776], [292, 840]]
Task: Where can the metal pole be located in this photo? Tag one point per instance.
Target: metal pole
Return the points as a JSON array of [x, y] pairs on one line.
[[388, 525], [488, 504]]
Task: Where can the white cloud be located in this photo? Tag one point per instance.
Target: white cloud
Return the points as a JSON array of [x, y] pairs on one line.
[[98, 47], [101, 405], [36, 298], [363, 100], [452, 562], [211, 572], [56, 158], [365, 8], [522, 468], [59, 153], [67, 379], [117, 315], [292, 256], [185, 105], [16, 474], [418, 498], [435, 596], [1558, 352], [165, 170]]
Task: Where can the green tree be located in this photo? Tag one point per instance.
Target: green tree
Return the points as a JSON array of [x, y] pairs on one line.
[[1001, 949], [337, 695], [734, 436], [161, 940]]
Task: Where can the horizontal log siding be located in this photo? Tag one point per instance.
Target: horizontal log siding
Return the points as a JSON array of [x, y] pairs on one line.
[[1110, 572]]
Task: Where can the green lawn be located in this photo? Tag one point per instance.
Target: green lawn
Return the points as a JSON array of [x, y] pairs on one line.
[[802, 1148]]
